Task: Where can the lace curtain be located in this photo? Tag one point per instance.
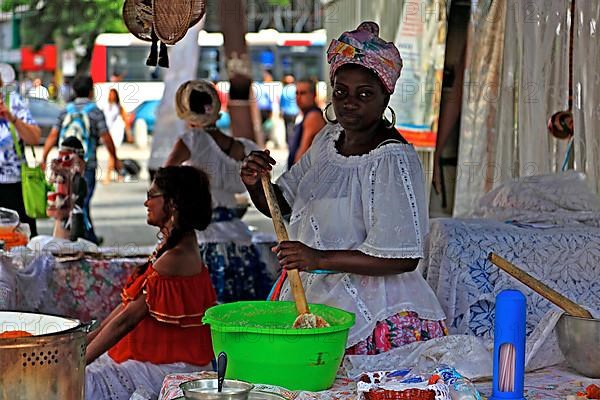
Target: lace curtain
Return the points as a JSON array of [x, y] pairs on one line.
[[516, 78]]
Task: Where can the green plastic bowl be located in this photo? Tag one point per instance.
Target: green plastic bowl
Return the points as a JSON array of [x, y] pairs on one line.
[[262, 347]]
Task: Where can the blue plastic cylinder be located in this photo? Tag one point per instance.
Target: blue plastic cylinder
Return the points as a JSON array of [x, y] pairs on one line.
[[509, 331]]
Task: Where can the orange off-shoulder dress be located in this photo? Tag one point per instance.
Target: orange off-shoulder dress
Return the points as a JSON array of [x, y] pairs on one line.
[[173, 330]]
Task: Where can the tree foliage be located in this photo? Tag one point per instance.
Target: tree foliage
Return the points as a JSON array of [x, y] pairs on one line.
[[77, 22]]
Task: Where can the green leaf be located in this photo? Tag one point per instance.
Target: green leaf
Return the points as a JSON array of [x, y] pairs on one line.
[[74, 20]]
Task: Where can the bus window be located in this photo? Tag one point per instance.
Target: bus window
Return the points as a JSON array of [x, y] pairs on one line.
[[301, 61], [130, 62]]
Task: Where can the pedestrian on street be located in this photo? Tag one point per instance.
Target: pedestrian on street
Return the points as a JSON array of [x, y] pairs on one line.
[[15, 118], [83, 113]]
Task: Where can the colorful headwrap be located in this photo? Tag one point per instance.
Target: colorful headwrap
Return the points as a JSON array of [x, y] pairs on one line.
[[182, 103], [363, 46]]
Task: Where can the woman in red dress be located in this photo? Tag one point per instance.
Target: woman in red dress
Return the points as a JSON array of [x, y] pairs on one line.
[[157, 329]]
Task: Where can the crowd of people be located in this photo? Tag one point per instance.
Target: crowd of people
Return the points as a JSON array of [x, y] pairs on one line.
[[81, 118], [353, 194], [297, 103]]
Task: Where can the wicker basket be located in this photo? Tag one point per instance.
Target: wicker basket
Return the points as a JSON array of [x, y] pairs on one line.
[[137, 15], [172, 19], [408, 394]]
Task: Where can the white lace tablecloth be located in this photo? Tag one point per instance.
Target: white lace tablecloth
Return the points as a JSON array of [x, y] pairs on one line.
[[466, 283]]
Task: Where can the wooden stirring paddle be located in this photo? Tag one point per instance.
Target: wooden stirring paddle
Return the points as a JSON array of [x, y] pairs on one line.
[[305, 319], [552, 295]]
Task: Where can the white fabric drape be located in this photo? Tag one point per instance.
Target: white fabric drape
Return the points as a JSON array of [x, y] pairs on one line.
[[478, 130], [586, 102], [516, 78]]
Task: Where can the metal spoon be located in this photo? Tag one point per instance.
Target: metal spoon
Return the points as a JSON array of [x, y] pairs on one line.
[[221, 367]]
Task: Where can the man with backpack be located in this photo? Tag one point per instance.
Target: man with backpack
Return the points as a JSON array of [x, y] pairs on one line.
[[85, 121]]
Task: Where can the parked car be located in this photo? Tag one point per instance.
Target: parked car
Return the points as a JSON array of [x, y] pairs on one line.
[[141, 121], [45, 113]]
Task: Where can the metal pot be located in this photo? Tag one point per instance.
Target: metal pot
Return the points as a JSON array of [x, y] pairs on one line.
[[578, 340], [49, 365]]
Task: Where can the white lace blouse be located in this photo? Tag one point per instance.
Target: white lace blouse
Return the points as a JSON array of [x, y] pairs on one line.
[[374, 203], [225, 182]]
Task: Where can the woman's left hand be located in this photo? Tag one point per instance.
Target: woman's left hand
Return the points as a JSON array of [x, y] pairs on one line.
[[296, 255]]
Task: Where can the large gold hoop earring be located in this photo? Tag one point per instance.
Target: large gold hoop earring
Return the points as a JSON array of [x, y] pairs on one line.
[[331, 121], [392, 123]]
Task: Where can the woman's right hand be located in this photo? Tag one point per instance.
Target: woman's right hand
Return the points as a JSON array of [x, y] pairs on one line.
[[255, 165]]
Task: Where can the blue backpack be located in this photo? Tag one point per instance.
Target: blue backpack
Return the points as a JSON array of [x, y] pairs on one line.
[[77, 123]]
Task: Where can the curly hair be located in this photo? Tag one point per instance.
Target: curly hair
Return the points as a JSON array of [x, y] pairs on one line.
[[186, 190]]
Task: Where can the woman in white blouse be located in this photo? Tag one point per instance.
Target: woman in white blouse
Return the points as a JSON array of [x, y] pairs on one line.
[[356, 203], [226, 244]]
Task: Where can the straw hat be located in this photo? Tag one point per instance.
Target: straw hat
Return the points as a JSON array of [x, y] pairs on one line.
[[166, 21], [182, 103]]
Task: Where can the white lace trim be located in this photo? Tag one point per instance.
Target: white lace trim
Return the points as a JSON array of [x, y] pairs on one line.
[[372, 181], [315, 227], [353, 292], [410, 193], [352, 161], [383, 253]]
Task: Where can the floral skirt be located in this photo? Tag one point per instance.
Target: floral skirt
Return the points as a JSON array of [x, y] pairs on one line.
[[396, 331], [237, 271]]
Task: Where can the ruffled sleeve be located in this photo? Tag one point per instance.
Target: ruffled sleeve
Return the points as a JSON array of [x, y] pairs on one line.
[[134, 285], [394, 205], [224, 171], [191, 139], [179, 300]]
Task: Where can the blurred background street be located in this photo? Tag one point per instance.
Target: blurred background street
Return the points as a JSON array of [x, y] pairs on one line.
[[118, 210]]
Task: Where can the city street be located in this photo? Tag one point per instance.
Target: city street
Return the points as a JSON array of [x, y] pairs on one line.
[[118, 208]]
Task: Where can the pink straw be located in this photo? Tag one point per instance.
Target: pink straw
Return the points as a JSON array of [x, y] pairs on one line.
[[507, 367]]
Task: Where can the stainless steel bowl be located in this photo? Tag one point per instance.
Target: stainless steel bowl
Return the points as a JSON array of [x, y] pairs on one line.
[[206, 389], [579, 341]]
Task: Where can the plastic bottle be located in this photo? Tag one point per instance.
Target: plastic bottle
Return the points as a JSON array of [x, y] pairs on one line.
[[460, 387]]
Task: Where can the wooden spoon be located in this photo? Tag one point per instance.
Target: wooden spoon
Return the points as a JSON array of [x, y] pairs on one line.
[[552, 295], [305, 318]]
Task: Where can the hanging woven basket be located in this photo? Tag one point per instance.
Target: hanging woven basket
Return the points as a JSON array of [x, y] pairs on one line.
[[137, 15], [164, 21], [172, 19], [198, 10]]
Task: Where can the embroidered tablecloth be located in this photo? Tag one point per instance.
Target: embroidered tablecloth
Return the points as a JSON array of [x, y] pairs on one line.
[[89, 288], [466, 283], [548, 384]]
